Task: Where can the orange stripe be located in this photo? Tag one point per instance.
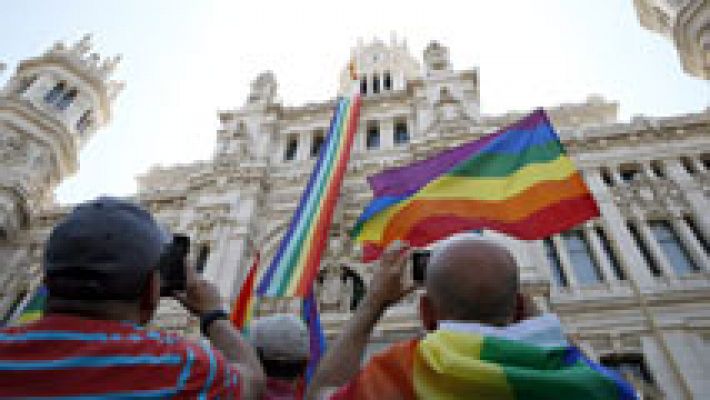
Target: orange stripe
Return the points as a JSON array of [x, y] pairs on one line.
[[510, 210]]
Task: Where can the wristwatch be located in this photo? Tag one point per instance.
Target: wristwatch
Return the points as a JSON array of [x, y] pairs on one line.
[[209, 317]]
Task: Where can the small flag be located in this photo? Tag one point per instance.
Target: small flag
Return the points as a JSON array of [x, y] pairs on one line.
[[243, 310], [34, 309], [316, 335], [517, 181]]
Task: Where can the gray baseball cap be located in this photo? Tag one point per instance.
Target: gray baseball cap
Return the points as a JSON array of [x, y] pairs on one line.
[[282, 337], [104, 249]]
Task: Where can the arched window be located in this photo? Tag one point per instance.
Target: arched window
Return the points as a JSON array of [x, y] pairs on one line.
[[401, 134], [67, 99], [84, 121], [363, 85], [54, 94], [25, 83], [373, 135], [387, 81], [375, 83], [586, 270]]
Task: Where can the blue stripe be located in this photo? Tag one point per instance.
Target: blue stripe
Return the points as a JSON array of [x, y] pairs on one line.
[[89, 362], [56, 335], [142, 394], [516, 140], [185, 373], [267, 279], [213, 370]]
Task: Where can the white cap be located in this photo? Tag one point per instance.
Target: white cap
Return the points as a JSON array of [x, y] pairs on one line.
[[280, 337]]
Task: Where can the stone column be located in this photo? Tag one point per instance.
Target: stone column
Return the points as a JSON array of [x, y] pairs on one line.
[[656, 251], [304, 146], [660, 368], [690, 243], [630, 258], [565, 263], [600, 256], [386, 133], [693, 193], [687, 353]]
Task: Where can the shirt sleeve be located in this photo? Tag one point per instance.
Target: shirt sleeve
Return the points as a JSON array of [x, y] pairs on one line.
[[209, 374]]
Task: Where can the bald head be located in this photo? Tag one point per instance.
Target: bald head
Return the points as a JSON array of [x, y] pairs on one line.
[[472, 279]]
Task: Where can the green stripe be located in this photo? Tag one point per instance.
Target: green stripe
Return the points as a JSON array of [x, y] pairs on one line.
[[540, 373], [497, 165]]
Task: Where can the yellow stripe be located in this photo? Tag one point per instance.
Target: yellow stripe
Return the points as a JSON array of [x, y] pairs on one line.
[[455, 187], [493, 189], [29, 317], [447, 365]]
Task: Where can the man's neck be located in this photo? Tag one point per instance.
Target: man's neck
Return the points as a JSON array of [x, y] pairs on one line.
[[109, 311]]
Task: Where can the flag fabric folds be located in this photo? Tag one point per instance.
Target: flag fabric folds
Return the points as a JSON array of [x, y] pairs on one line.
[[295, 265], [243, 309], [34, 309], [518, 181], [455, 365], [316, 335]]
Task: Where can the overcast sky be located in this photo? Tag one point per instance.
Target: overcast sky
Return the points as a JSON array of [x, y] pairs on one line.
[[184, 60]]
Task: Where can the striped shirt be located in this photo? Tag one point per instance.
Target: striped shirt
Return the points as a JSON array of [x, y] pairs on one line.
[[62, 356]]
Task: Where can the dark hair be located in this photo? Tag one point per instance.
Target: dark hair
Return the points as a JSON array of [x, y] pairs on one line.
[[283, 369]]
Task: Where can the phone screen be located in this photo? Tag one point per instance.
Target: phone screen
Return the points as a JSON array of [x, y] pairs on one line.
[[420, 261]]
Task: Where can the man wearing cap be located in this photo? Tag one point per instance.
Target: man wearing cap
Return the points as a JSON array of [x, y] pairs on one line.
[[281, 341], [101, 271]]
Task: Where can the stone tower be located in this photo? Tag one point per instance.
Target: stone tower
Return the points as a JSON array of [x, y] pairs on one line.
[[49, 108]]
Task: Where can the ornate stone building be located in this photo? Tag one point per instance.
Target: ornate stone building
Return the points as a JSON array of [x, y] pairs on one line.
[[687, 24], [632, 287]]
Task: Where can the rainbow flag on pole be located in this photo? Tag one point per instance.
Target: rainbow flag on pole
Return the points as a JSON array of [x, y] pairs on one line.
[[518, 181], [296, 263], [243, 309]]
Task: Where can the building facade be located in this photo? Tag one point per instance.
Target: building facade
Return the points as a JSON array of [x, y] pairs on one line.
[[632, 287]]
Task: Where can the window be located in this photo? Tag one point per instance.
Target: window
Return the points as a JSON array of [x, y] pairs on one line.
[[558, 275], [657, 169], [291, 149], [84, 121], [606, 176], [672, 248], [375, 84], [54, 94], [688, 165], [202, 255], [387, 81], [67, 99], [317, 143], [696, 232], [373, 135], [363, 86], [645, 251], [400, 132], [705, 160], [610, 255], [25, 84], [629, 172], [580, 256]]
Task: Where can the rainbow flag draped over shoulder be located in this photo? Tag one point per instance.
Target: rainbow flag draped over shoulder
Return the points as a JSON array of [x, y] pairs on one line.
[[243, 309], [296, 263], [455, 365], [518, 181]]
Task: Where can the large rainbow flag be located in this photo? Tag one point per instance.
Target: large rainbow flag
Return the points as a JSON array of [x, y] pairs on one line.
[[456, 365], [243, 309], [518, 181], [296, 263]]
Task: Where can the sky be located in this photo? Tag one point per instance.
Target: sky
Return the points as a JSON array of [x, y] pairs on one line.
[[183, 60]]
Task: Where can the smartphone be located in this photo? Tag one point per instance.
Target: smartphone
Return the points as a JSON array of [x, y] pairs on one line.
[[172, 265], [420, 261]]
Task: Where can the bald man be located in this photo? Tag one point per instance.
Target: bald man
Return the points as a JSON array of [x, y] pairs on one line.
[[471, 297]]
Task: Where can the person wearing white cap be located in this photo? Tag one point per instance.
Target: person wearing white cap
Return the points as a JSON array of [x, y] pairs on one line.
[[282, 343]]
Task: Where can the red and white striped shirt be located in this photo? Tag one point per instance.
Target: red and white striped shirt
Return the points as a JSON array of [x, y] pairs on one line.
[[67, 356]]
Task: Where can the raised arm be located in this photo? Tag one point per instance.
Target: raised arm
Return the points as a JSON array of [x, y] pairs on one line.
[[342, 360]]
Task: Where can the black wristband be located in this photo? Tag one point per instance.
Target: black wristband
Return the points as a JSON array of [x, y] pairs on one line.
[[209, 317]]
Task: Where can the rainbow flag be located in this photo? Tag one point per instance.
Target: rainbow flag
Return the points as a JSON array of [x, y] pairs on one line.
[[34, 309], [243, 309], [298, 257], [316, 335], [456, 365], [518, 181]]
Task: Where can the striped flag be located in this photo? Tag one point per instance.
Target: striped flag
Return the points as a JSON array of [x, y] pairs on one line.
[[518, 181], [243, 309], [297, 260], [34, 308], [316, 335]]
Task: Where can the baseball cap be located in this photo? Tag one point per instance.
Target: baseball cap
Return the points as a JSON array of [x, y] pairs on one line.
[[282, 337], [104, 249]]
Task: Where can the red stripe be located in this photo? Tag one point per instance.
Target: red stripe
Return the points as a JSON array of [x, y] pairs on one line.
[[548, 221], [241, 306], [325, 217]]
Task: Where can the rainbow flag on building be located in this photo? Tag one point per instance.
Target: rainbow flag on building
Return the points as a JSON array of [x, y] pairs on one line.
[[243, 309], [518, 181], [297, 260], [456, 365]]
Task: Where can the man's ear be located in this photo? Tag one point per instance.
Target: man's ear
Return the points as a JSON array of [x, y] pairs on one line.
[[149, 297], [427, 313]]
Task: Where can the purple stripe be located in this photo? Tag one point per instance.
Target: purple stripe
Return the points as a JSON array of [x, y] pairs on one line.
[[268, 276], [406, 180]]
